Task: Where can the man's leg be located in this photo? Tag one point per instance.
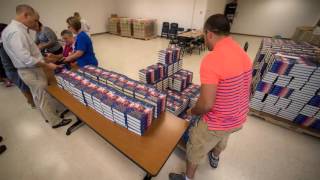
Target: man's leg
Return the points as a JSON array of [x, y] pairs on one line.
[[15, 78], [29, 98], [191, 169], [199, 144], [221, 146], [214, 154], [37, 82], [3, 76]]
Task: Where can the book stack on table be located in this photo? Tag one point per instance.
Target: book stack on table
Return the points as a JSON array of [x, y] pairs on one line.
[[169, 77], [169, 55], [180, 80], [153, 74], [120, 108], [151, 96], [112, 102], [176, 103], [134, 89], [193, 92], [88, 92]]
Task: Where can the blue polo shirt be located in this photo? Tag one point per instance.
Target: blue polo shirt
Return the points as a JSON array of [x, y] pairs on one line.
[[84, 44]]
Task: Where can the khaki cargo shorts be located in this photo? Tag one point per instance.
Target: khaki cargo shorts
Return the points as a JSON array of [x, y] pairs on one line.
[[202, 141]]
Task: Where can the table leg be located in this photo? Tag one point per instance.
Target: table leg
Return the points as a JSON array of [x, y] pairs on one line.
[[74, 126], [147, 177], [64, 113]]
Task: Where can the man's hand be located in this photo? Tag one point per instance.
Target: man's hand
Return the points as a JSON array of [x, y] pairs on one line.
[[66, 59], [206, 100], [49, 55], [40, 46], [189, 112], [52, 66]]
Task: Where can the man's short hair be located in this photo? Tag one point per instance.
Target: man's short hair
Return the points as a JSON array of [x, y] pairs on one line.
[[24, 8], [217, 24], [76, 14], [74, 23], [66, 32]]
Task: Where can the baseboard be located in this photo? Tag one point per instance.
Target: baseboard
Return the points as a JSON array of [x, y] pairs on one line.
[[243, 34], [94, 34], [253, 35]]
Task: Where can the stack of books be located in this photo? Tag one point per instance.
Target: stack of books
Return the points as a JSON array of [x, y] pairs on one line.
[[132, 88], [107, 104], [78, 87], [151, 96], [286, 82], [176, 103], [153, 74], [119, 109], [88, 92], [119, 103], [193, 92], [169, 55], [180, 80], [97, 96], [139, 117]]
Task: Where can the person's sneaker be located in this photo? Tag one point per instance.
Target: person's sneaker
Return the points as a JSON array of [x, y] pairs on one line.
[[64, 122], [8, 83], [174, 176], [3, 148], [213, 160], [1, 138]]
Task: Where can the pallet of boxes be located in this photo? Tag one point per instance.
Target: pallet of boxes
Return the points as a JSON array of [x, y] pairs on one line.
[[286, 85], [144, 28], [114, 25], [126, 27]]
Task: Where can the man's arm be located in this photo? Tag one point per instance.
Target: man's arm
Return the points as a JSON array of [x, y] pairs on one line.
[[37, 40], [206, 99], [19, 44], [52, 37], [53, 59], [50, 66], [74, 56]]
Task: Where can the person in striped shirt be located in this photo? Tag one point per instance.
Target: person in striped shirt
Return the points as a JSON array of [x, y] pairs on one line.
[[225, 76]]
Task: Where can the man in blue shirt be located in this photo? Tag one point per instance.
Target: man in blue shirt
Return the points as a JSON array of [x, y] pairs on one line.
[[83, 51]]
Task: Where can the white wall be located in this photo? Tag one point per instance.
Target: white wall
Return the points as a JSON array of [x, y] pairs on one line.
[[215, 7], [54, 13], [188, 13], [275, 17]]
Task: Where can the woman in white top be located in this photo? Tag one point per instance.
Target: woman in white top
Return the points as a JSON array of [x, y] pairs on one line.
[[84, 24]]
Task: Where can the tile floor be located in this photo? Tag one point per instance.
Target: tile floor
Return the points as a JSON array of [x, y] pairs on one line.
[[261, 151]]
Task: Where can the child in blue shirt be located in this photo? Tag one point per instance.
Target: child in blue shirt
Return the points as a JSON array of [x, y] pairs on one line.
[[83, 50]]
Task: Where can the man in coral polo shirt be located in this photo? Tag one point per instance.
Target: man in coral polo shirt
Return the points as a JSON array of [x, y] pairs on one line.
[[223, 104]]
